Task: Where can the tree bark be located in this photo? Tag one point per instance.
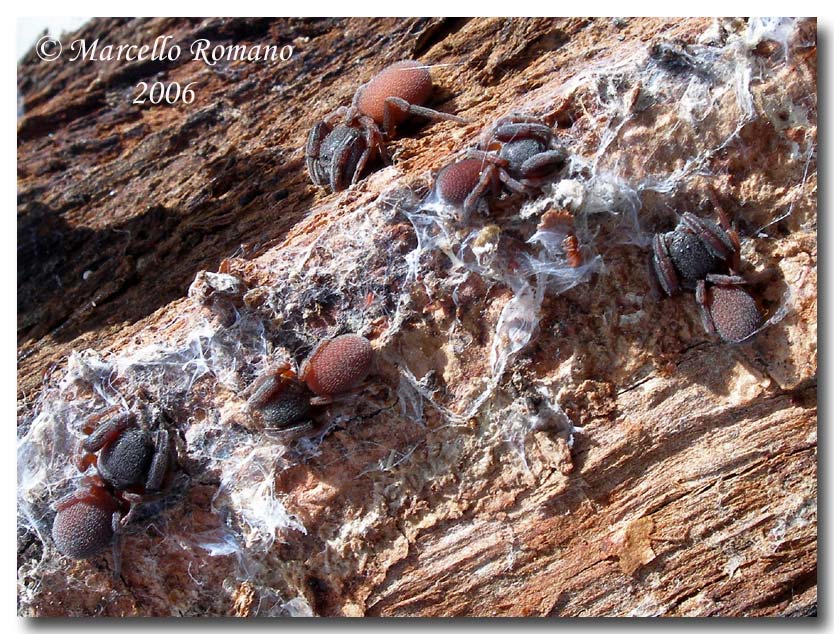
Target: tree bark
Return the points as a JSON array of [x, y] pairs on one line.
[[617, 461]]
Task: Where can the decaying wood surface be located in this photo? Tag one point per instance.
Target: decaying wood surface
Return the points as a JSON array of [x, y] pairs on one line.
[[691, 488]]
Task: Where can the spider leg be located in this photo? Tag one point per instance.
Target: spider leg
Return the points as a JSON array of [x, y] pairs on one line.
[[380, 143], [542, 165], [118, 541], [83, 459], [340, 160], [354, 103], [523, 130], [515, 126], [513, 184], [714, 238], [292, 430], [726, 280], [108, 431], [263, 389], [67, 501], [488, 179], [373, 143], [488, 157], [311, 152], [534, 183], [377, 139], [517, 117], [395, 106], [341, 113], [161, 458], [719, 209], [134, 500], [93, 421], [702, 297], [663, 267], [735, 262], [724, 223]]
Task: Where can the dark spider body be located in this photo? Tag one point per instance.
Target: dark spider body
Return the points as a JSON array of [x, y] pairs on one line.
[[292, 407], [516, 153], [283, 402], [340, 147], [336, 155], [125, 461], [697, 256], [529, 158], [696, 248], [129, 456], [692, 260], [528, 152]]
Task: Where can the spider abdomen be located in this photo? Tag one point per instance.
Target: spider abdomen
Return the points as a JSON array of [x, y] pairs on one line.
[[408, 80]]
